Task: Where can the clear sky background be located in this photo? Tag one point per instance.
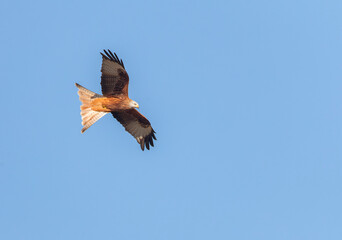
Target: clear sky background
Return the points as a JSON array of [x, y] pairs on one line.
[[245, 97]]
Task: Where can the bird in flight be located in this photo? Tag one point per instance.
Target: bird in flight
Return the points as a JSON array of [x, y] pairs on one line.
[[115, 100]]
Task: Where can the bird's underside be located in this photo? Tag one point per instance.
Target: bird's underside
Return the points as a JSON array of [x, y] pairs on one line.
[[110, 104], [115, 100]]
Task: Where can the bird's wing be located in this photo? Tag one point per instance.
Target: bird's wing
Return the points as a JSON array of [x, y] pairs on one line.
[[114, 78], [138, 126]]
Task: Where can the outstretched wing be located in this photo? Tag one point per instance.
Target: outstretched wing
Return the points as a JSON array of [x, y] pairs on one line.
[[138, 126], [114, 78]]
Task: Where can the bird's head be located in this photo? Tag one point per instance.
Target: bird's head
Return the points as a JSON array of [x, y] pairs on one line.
[[134, 104]]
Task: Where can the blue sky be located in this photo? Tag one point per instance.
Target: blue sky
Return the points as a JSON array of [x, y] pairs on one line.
[[245, 97]]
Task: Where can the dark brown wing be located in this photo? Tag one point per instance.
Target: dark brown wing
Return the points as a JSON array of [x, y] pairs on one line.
[[138, 126], [114, 78]]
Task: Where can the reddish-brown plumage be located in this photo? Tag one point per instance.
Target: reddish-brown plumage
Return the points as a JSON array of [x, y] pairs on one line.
[[110, 104], [114, 83]]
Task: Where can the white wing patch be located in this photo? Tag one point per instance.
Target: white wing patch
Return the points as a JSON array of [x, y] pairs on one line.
[[137, 130], [110, 68]]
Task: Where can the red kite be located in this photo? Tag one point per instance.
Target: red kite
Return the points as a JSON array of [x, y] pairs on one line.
[[115, 100]]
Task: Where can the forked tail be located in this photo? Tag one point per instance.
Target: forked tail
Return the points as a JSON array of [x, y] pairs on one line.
[[89, 117]]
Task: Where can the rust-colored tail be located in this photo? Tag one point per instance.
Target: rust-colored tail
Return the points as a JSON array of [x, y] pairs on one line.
[[89, 117]]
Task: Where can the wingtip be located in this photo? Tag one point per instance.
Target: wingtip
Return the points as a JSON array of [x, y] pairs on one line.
[[151, 141], [109, 55]]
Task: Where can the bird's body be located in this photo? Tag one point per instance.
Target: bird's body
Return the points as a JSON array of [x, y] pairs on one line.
[[114, 83], [110, 104]]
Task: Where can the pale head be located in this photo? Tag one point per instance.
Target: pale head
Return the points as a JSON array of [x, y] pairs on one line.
[[134, 104]]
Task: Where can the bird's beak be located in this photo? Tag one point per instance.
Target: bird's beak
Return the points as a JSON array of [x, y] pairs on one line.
[[137, 106]]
